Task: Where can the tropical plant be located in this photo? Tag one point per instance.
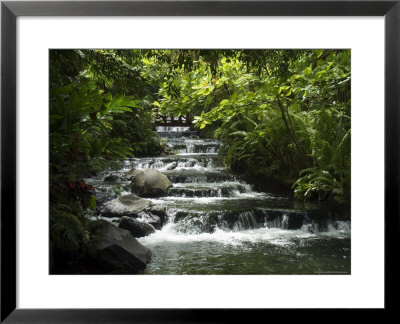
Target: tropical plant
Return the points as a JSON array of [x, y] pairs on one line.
[[277, 110]]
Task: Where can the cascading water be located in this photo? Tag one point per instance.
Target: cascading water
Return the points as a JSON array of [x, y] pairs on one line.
[[218, 224]]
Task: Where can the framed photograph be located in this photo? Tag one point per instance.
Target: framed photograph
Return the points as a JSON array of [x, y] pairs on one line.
[[163, 159]]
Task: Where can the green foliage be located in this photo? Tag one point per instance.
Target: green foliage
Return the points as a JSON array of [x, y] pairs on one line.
[[117, 190], [71, 233], [100, 114], [81, 127], [67, 232], [317, 184], [280, 110]]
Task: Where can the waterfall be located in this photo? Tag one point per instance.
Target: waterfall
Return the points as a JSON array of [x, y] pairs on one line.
[[217, 223], [205, 198]]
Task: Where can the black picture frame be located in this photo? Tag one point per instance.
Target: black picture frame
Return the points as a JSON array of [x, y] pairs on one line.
[[10, 10]]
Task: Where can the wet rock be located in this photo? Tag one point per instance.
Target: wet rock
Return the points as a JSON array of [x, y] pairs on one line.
[[149, 218], [130, 174], [127, 205], [112, 179], [150, 183], [159, 211], [135, 227], [156, 222], [170, 166], [117, 252]]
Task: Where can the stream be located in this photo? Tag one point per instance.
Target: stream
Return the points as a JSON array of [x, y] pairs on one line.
[[218, 224]]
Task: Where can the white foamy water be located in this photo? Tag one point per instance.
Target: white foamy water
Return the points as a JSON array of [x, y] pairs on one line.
[[197, 153], [172, 128], [275, 236], [213, 200]]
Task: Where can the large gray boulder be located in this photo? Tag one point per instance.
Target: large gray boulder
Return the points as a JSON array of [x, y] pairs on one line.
[[135, 227], [125, 205], [117, 252], [150, 183]]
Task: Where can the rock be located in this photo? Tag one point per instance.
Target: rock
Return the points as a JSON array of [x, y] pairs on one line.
[[130, 174], [170, 166], [149, 218], [156, 221], [135, 227], [127, 205], [150, 183], [117, 252], [159, 211], [112, 179]]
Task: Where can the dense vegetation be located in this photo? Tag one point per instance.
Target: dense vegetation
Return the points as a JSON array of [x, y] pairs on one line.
[[281, 114], [285, 114], [100, 113]]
